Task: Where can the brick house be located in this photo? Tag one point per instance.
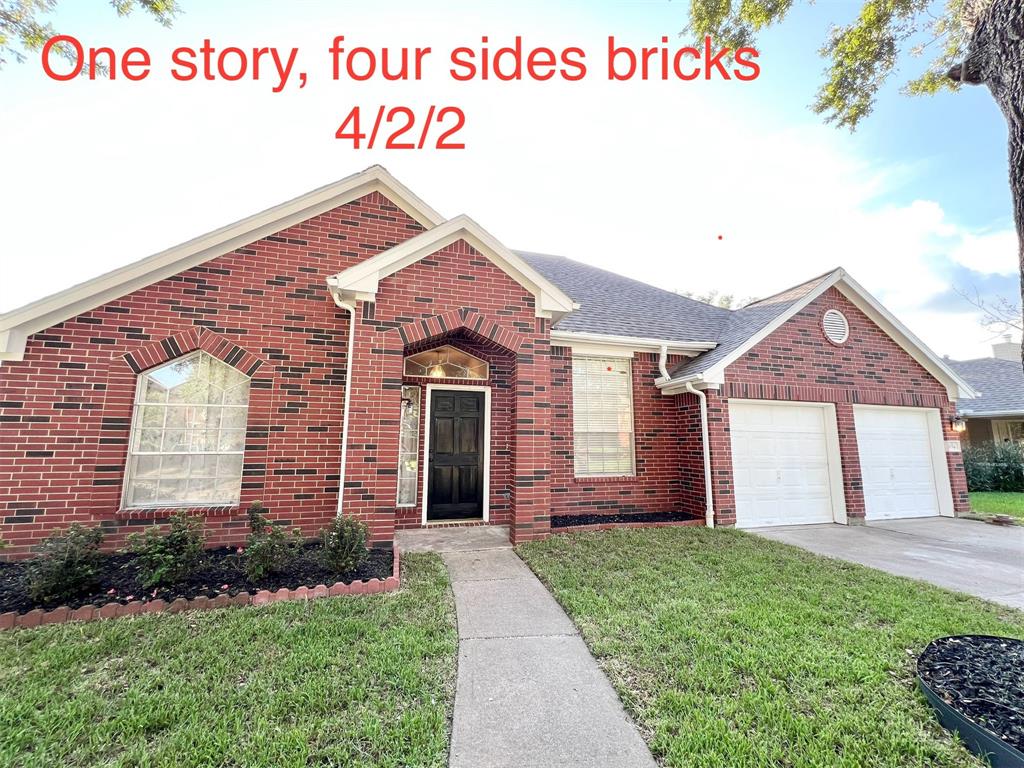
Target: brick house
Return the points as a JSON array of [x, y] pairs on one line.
[[996, 415], [351, 351]]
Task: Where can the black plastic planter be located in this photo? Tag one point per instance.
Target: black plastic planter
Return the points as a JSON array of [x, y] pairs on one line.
[[979, 739]]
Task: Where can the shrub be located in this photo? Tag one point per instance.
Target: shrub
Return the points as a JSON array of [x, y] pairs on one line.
[[67, 566], [344, 544], [170, 558], [269, 549], [994, 467]]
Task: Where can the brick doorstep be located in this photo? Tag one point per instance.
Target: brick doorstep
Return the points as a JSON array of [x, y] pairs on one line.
[[37, 616]]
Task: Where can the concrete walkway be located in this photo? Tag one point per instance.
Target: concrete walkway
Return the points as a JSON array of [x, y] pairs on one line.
[[964, 555], [529, 694]]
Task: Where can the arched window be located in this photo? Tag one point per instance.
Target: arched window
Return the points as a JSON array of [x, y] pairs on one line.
[[446, 362], [188, 434]]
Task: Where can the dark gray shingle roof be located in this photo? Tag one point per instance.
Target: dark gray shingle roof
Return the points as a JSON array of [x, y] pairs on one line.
[[618, 306], [746, 322], [1000, 385]]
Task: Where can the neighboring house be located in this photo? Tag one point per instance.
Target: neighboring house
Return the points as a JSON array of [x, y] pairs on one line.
[[353, 351], [997, 413]]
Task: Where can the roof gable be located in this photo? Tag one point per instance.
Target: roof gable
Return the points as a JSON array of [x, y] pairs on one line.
[[16, 326], [757, 321], [362, 281]]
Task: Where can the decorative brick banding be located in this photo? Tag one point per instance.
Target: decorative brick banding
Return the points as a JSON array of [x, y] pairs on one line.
[[37, 616]]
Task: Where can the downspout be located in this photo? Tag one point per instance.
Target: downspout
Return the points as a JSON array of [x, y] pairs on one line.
[[351, 309], [709, 508]]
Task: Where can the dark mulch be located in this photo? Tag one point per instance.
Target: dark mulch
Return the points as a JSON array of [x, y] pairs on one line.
[[571, 521], [221, 573], [983, 678]]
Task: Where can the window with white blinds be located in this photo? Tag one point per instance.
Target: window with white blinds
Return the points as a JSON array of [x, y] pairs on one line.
[[188, 434], [602, 416]]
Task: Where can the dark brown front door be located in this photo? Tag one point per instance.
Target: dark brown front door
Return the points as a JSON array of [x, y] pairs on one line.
[[455, 489]]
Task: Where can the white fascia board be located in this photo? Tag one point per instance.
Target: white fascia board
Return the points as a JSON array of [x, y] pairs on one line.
[[956, 387], [678, 386], [714, 377], [16, 326], [990, 414], [624, 346], [362, 280]]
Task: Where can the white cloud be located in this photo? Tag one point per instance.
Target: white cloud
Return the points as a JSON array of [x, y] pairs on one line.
[[993, 253], [640, 178]]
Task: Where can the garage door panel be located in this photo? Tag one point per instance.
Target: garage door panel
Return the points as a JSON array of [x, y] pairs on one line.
[[896, 463], [780, 465]]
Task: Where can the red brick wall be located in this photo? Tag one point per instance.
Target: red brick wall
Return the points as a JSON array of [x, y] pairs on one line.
[[420, 307], [797, 362], [501, 378], [65, 410], [689, 452], [669, 462]]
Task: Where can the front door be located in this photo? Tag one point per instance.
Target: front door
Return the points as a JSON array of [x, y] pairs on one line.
[[455, 487]]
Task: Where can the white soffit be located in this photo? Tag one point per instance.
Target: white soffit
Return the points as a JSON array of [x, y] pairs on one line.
[[16, 326], [607, 345]]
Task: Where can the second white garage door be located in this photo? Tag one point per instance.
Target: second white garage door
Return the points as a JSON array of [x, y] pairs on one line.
[[781, 464], [897, 462]]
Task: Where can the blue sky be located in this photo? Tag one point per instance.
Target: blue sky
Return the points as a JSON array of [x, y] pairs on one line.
[[636, 177]]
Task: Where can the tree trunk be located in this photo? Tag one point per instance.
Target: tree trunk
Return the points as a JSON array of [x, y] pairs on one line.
[[995, 57]]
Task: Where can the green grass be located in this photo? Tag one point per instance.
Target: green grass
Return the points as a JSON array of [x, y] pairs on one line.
[[350, 681], [732, 650], [992, 503]]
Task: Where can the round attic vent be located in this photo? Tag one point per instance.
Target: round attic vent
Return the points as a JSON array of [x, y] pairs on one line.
[[835, 325]]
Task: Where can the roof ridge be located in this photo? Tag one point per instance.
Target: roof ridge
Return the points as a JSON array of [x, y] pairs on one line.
[[815, 279], [619, 275]]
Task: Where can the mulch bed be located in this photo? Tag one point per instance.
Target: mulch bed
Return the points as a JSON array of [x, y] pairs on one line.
[[572, 521], [221, 574], [982, 677]]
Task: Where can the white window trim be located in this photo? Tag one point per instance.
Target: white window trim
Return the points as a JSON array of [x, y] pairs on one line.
[[136, 405], [998, 425], [632, 423], [487, 445], [398, 490]]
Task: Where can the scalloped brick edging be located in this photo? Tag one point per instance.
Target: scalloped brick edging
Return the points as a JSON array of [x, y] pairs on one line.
[[38, 617], [613, 526]]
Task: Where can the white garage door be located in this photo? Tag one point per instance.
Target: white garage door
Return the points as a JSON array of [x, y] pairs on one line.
[[780, 464], [895, 446]]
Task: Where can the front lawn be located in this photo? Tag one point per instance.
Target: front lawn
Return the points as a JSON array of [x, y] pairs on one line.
[[993, 503], [733, 650], [348, 681]]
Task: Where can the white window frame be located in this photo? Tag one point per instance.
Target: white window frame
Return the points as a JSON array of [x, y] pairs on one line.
[[1001, 430], [415, 486], [632, 417], [137, 406]]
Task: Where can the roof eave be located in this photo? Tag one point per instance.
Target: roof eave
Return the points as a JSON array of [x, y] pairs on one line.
[[633, 343], [16, 326], [991, 414]]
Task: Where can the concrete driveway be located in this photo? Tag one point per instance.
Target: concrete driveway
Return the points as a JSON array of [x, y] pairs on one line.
[[963, 555]]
